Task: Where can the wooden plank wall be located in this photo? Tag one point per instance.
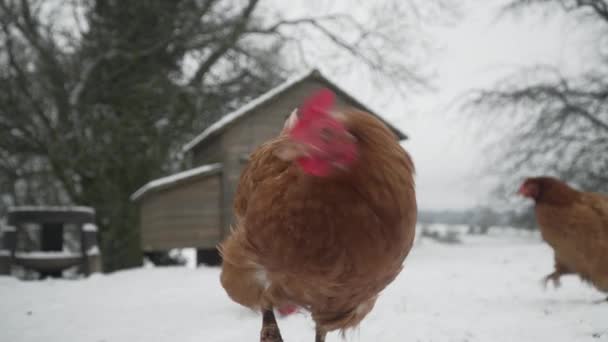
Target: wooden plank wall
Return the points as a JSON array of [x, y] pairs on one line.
[[186, 215], [208, 153]]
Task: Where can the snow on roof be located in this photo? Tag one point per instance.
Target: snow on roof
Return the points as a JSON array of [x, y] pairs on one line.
[[23, 208], [230, 117], [175, 178], [271, 94], [94, 250]]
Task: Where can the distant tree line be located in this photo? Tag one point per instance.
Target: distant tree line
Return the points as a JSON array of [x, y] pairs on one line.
[[480, 219]]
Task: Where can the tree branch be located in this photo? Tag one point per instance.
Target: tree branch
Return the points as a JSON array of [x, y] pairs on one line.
[[236, 33], [599, 7]]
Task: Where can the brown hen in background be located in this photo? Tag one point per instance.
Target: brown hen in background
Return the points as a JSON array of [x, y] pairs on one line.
[[575, 224], [325, 216]]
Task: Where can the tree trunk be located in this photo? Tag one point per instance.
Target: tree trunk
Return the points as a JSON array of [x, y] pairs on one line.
[[120, 240]]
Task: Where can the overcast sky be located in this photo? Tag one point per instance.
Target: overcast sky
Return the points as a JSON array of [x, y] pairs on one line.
[[477, 50]]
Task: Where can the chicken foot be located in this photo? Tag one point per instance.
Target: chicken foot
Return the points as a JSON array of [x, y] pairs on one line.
[[270, 329], [554, 278]]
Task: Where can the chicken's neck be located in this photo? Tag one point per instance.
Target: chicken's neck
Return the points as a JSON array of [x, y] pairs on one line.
[[556, 193]]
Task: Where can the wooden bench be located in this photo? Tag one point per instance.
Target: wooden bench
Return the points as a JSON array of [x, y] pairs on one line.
[[55, 260]]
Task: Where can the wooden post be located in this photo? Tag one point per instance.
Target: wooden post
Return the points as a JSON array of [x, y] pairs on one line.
[[8, 246], [83, 249]]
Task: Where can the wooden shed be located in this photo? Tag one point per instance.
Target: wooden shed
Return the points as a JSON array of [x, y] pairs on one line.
[[194, 208], [181, 210]]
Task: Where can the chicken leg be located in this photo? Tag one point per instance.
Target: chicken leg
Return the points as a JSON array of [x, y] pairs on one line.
[[560, 270], [320, 335], [554, 278], [270, 329]]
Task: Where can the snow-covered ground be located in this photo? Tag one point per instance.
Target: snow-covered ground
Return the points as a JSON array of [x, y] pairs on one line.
[[484, 289]]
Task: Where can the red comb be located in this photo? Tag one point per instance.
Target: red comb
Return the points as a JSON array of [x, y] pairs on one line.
[[317, 105]]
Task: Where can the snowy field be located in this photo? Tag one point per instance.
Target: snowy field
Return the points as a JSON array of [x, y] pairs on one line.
[[484, 289]]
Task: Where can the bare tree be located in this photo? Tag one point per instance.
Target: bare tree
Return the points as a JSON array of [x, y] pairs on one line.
[[97, 96], [553, 124]]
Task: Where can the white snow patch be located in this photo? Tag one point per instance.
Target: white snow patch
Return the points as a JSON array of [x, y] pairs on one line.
[[175, 178], [485, 289], [47, 255], [93, 250], [55, 254], [187, 255], [89, 227], [23, 208], [190, 255]]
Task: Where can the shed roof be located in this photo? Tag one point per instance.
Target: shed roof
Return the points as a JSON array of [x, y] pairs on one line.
[[49, 214], [229, 118], [165, 182]]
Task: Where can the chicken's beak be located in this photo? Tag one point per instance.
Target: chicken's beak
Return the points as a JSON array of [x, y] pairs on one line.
[[523, 191], [291, 121]]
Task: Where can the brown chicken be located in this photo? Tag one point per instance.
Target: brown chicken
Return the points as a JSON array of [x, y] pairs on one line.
[[575, 225], [325, 216]]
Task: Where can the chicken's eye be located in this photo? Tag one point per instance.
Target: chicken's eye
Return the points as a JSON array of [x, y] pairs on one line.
[[326, 134]]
